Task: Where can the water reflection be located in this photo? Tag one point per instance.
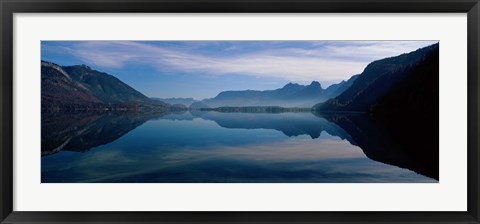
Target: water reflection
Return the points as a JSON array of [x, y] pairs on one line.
[[83, 131], [201, 146], [410, 144]]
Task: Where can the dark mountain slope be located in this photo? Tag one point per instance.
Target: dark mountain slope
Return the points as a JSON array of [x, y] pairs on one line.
[[105, 87], [418, 94], [402, 96], [411, 111], [388, 79], [81, 88], [336, 89], [58, 89]]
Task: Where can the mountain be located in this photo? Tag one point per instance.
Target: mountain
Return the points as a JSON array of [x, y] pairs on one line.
[[58, 89], [405, 82], [80, 87], [336, 89], [291, 95], [186, 101], [105, 87], [314, 89], [401, 94]]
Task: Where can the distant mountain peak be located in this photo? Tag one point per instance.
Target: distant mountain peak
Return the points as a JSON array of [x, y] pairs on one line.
[[291, 85], [315, 84], [58, 68], [290, 95], [84, 69], [176, 100], [84, 66]]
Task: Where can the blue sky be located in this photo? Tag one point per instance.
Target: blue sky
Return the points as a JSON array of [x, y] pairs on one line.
[[202, 69]]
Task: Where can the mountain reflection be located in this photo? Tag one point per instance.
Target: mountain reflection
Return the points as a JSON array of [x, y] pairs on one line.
[[81, 132], [416, 150]]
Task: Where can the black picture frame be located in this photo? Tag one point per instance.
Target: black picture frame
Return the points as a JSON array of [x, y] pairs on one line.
[[9, 7]]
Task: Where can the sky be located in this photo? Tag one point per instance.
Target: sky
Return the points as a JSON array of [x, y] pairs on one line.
[[202, 69]]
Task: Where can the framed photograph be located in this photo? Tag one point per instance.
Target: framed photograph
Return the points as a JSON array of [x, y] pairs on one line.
[[239, 112]]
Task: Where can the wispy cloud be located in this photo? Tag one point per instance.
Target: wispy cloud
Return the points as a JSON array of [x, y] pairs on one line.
[[305, 61]]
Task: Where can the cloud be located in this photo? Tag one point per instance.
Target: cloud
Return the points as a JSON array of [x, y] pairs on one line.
[[323, 160], [375, 50], [305, 61], [289, 68]]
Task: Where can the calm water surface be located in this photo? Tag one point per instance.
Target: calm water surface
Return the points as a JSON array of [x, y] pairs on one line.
[[205, 147]]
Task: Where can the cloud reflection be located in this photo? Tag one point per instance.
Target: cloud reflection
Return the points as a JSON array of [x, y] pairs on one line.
[[297, 159]]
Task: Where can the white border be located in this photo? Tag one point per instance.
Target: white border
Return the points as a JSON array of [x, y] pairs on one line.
[[448, 195]]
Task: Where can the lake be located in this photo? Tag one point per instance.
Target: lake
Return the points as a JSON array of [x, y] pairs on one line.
[[215, 147]]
